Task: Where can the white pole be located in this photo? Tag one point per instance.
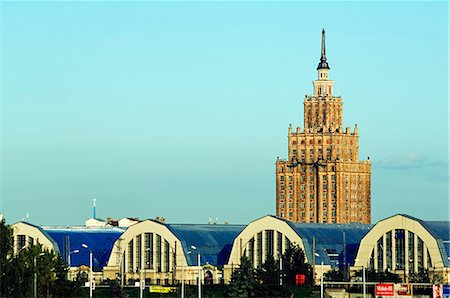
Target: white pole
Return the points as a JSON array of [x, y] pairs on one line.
[[199, 279], [281, 270], [90, 271], [364, 281], [35, 278], [182, 278], [122, 269], [141, 282], [321, 281], [68, 271]]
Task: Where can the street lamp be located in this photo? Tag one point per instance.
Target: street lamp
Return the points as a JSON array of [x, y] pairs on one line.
[[182, 275], [35, 274], [199, 272], [90, 268], [71, 252], [281, 267], [142, 282]]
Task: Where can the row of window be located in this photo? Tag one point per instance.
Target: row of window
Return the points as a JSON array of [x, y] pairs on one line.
[[415, 254], [155, 254], [273, 246]]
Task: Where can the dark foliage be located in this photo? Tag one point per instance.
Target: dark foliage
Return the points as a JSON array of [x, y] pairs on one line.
[[294, 263]]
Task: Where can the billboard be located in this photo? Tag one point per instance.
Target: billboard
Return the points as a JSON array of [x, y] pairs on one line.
[[384, 290], [441, 291], [393, 290]]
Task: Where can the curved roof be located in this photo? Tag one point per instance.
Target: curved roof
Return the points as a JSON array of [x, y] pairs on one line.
[[213, 242], [441, 231], [330, 241], [99, 240]]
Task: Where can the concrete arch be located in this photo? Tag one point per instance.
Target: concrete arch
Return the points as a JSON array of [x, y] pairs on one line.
[[369, 242], [115, 262], [39, 236], [265, 223]]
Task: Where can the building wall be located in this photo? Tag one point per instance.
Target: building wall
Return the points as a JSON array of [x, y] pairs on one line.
[[150, 250], [25, 235], [262, 237], [401, 245]]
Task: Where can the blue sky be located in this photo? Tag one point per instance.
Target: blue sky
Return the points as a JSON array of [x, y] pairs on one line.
[[180, 109]]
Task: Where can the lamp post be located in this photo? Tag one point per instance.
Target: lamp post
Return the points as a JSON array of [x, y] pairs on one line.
[[281, 268], [321, 280], [364, 280], [199, 282], [90, 268], [71, 252], [141, 280], [182, 275], [35, 274]]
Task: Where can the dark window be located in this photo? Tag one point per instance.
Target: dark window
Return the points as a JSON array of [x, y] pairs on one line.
[[148, 251], [270, 241]]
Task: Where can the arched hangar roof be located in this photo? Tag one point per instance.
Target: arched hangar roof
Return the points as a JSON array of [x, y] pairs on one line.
[[99, 240], [213, 241]]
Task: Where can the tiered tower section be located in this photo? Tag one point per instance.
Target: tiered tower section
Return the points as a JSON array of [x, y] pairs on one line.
[[322, 180]]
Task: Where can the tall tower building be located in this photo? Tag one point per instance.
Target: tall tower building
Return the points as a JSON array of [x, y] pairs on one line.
[[322, 180]]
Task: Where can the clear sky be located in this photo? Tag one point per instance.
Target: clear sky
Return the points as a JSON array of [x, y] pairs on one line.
[[180, 109]]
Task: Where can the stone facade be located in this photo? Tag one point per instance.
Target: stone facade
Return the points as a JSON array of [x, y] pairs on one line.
[[322, 180]]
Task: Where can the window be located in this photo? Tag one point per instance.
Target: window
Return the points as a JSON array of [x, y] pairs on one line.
[[251, 250], [400, 249], [259, 249], [130, 256], [282, 205], [282, 178], [294, 152], [138, 251], [21, 241], [311, 196], [148, 251], [303, 151], [269, 242], [290, 205], [158, 253], [302, 186], [282, 197], [167, 256], [291, 178]]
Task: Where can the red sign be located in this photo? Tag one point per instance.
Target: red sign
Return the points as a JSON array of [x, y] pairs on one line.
[[384, 290], [299, 279]]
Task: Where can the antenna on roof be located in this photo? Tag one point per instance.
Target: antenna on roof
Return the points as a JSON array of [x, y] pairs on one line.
[[94, 200], [28, 217]]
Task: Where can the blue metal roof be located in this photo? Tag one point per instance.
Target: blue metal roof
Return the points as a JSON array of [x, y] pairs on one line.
[[441, 231], [213, 242], [99, 240], [330, 241]]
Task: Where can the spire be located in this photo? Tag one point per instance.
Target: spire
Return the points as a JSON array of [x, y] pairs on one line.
[[323, 58], [94, 200]]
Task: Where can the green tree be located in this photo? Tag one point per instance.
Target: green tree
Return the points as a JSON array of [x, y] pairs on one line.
[[243, 282], [335, 275], [268, 278], [19, 272], [294, 263]]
